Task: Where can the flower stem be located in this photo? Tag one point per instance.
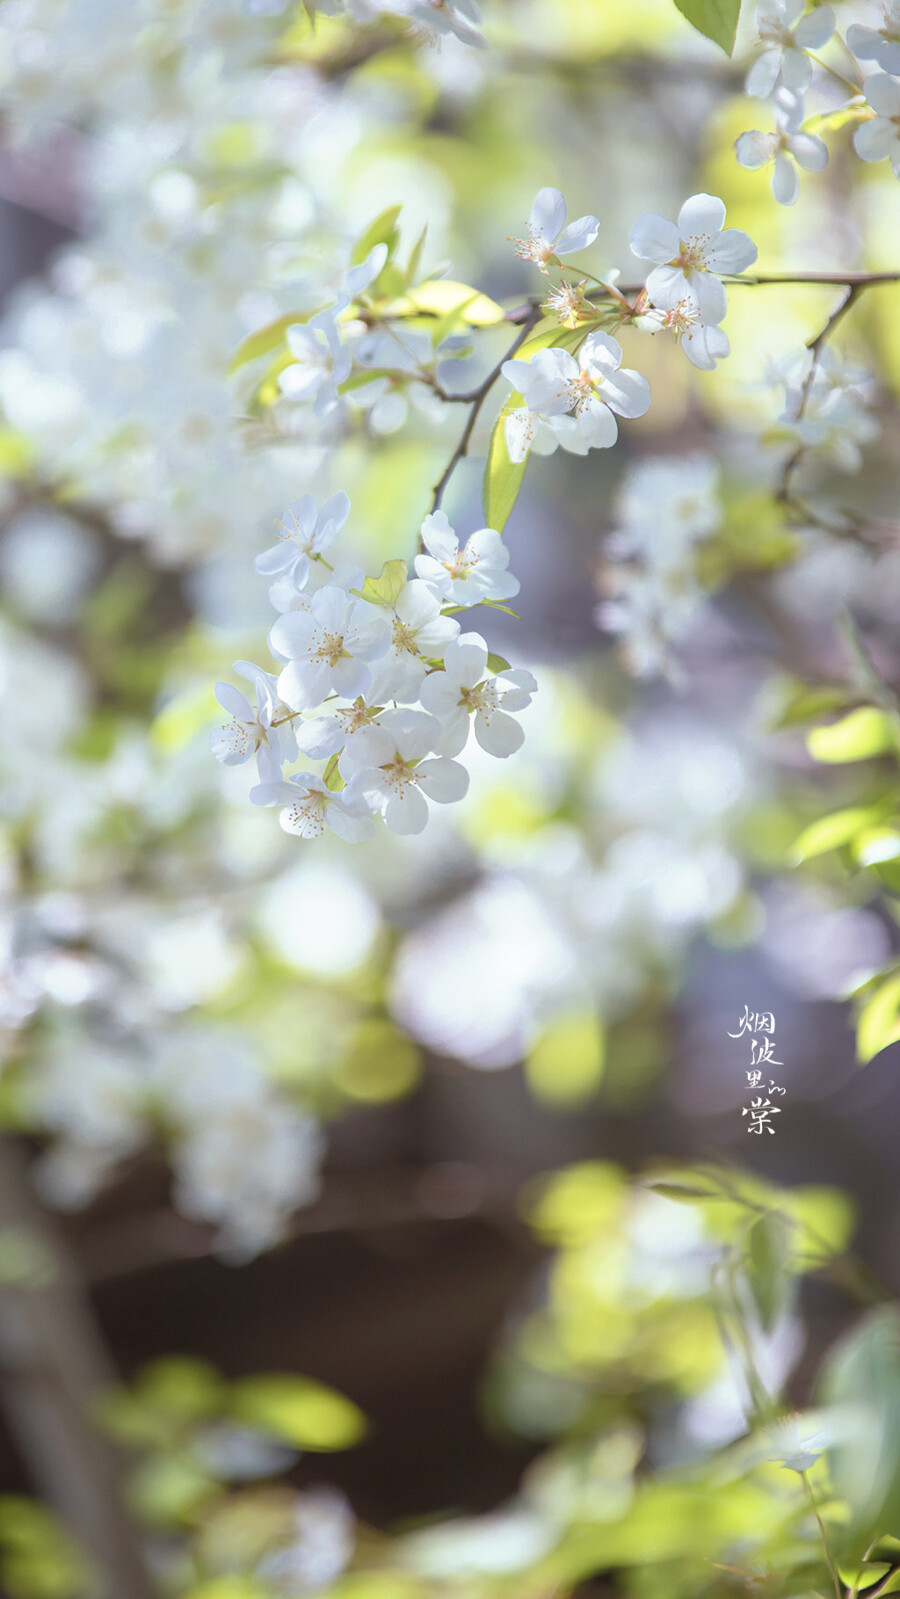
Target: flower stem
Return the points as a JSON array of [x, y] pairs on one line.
[[838, 1590]]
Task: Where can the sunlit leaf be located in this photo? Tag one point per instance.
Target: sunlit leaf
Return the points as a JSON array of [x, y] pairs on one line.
[[878, 1024], [503, 477], [830, 832], [717, 19], [266, 339], [442, 297], [382, 230], [862, 1380], [298, 1410], [860, 734], [387, 586]]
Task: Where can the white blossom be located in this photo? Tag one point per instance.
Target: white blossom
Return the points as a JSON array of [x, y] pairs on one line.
[[469, 575], [250, 730], [787, 30], [881, 45], [879, 138], [785, 149], [395, 776], [462, 691], [308, 807], [690, 255], [548, 237], [321, 361], [304, 532], [592, 386], [418, 631], [327, 647]]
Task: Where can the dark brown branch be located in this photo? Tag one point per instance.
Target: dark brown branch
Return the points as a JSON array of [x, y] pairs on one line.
[[477, 398], [53, 1369]]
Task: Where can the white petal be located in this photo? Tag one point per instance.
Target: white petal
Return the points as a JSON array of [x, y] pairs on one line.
[[732, 251], [876, 139], [883, 94], [276, 559], [864, 42], [785, 180], [234, 702], [755, 149], [354, 829], [335, 512], [666, 286], [466, 659], [810, 152], [701, 214], [499, 734], [654, 238], [601, 355], [815, 29], [548, 215], [519, 429], [598, 425], [417, 603], [406, 812], [796, 70], [627, 392], [709, 293], [443, 780], [438, 536], [763, 75], [577, 236]]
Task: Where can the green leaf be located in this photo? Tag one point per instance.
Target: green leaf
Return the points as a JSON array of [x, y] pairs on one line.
[[804, 703], [862, 1380], [384, 589], [496, 663], [878, 1024], [861, 734], [382, 231], [332, 777], [830, 832], [304, 1413], [266, 339], [503, 477], [717, 19], [441, 297], [412, 266], [766, 1265]]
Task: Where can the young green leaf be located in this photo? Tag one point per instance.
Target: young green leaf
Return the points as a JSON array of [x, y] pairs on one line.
[[266, 339], [496, 663], [862, 733], [384, 589], [302, 1412], [717, 19], [879, 1020], [503, 478], [383, 230]]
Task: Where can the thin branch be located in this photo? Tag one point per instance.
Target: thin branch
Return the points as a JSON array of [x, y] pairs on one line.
[[816, 347], [477, 398]]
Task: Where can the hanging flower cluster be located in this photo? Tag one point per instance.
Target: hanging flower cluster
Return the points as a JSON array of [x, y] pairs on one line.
[[375, 678]]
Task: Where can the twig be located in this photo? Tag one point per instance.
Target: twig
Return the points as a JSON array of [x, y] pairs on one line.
[[838, 1590], [477, 398], [816, 347]]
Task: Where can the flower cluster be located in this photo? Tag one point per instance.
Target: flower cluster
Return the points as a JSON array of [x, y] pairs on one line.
[[376, 679], [783, 73], [665, 509], [689, 258]]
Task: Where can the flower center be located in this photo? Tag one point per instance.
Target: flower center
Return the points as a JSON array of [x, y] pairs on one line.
[[398, 773], [330, 648], [580, 392], [239, 737], [404, 637], [309, 813], [693, 253]]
